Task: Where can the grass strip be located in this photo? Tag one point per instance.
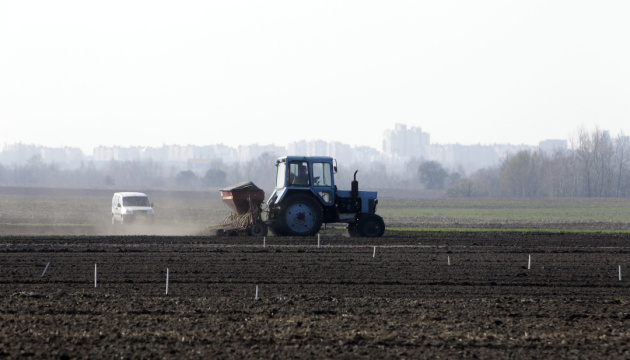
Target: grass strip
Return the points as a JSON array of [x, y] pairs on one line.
[[507, 230]]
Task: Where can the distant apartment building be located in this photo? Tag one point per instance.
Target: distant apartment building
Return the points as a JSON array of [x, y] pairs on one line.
[[406, 142], [106, 153], [465, 157], [308, 148], [180, 153], [340, 151], [343, 153], [21, 153], [166, 153], [317, 148], [252, 152]]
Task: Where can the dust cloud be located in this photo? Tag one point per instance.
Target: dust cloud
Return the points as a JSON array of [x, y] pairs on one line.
[[37, 211]]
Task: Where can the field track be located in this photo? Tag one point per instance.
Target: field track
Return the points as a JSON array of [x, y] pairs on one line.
[[396, 296]]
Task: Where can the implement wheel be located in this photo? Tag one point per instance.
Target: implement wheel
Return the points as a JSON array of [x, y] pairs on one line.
[[258, 229], [371, 225], [300, 215]]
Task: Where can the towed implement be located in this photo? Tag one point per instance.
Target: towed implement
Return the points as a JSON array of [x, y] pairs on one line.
[[245, 200], [305, 197]]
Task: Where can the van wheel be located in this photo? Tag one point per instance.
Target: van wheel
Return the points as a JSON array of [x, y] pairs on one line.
[[300, 215]]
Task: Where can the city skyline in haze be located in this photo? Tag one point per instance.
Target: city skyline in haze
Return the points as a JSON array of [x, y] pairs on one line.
[[399, 133]]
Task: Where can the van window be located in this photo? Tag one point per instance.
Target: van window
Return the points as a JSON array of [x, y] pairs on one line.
[[136, 201]]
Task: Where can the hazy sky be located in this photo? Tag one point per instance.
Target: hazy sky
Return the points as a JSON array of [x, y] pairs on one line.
[[87, 73]]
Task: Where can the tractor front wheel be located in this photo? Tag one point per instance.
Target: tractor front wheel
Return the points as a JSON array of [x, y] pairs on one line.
[[300, 215], [371, 225]]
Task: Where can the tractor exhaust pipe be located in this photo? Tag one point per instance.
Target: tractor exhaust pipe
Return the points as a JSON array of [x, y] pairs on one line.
[[354, 186]]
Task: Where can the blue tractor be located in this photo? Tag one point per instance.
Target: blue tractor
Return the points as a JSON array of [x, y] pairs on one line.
[[305, 197]]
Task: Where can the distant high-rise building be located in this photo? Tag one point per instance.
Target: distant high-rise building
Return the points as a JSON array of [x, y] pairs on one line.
[[406, 142]]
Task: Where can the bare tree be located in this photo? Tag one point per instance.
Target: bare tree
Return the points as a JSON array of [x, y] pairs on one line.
[[586, 160], [595, 152], [262, 171], [622, 150], [522, 173]]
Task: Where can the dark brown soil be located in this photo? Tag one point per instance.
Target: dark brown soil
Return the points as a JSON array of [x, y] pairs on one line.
[[340, 300]]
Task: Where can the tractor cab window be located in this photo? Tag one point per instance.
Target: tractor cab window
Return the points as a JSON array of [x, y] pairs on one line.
[[298, 173], [281, 174], [322, 175]]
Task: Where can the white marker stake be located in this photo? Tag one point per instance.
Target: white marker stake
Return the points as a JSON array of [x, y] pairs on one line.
[[167, 281], [529, 263], [449, 261], [46, 268], [374, 254], [264, 241], [318, 240], [619, 272], [256, 297], [94, 274]]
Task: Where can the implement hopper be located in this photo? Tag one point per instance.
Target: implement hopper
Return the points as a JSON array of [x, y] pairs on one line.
[[241, 197]]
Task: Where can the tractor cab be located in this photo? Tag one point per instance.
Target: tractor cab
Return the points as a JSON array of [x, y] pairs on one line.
[[305, 174]]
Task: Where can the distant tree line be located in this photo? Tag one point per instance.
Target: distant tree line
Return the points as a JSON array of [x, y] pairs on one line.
[[595, 166]]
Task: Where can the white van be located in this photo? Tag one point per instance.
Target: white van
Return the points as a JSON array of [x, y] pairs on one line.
[[129, 207]]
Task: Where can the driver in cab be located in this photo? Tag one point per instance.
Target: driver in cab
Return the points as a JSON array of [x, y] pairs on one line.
[[301, 178]]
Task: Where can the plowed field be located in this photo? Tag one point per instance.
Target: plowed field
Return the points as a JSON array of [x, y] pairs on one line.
[[393, 297]]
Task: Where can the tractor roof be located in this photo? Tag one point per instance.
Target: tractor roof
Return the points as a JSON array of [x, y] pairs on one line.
[[327, 159]]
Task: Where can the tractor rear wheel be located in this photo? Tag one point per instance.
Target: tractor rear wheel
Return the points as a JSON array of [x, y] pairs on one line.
[[300, 215], [371, 225]]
